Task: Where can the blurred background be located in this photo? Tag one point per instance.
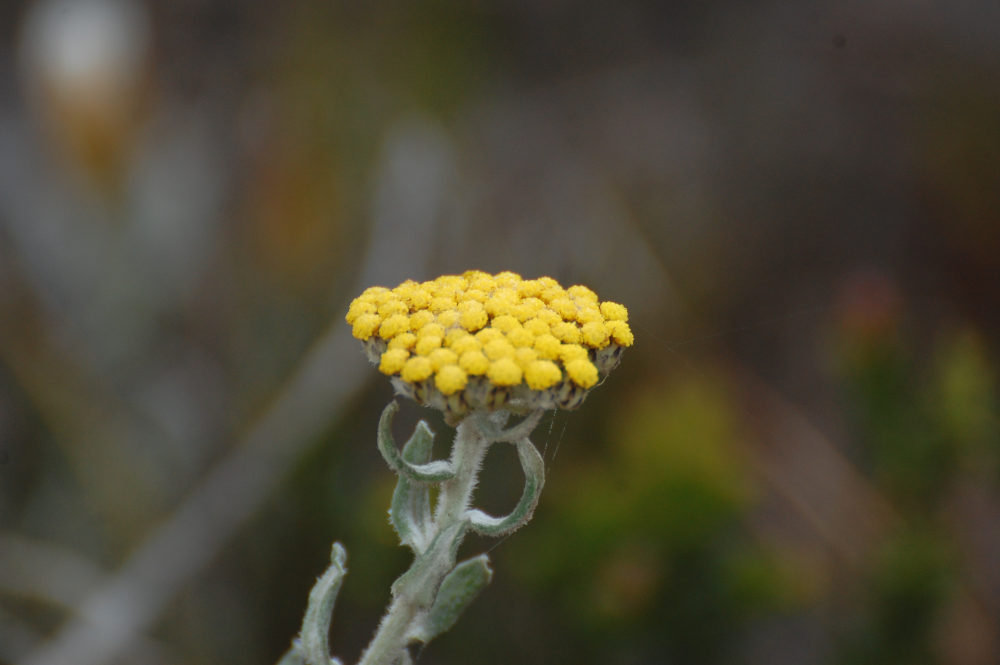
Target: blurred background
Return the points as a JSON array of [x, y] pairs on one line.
[[797, 462]]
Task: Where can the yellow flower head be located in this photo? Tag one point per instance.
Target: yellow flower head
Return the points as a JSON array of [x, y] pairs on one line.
[[479, 341]]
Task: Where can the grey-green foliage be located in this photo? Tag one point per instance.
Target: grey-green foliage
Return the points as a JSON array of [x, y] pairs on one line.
[[534, 477], [427, 472], [430, 597], [410, 512], [457, 591], [312, 646]]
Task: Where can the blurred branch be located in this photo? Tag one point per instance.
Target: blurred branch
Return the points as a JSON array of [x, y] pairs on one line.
[[801, 465], [54, 576], [845, 510], [134, 597], [92, 426], [16, 638], [42, 572]]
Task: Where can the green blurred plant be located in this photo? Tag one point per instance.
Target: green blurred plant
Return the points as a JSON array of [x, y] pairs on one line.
[[928, 423], [910, 579], [646, 549]]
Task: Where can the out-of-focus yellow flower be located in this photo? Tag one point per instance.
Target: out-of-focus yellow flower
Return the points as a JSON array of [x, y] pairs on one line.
[[481, 341]]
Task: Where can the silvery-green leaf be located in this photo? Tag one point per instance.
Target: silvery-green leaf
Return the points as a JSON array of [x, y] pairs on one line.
[[534, 478], [430, 472], [457, 591], [492, 426], [293, 657], [410, 511], [432, 564], [313, 644]]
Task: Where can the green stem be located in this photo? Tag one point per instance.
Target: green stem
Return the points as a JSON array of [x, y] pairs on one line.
[[414, 591], [467, 457]]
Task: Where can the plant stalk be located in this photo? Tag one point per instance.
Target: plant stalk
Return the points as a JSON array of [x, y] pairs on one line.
[[414, 590]]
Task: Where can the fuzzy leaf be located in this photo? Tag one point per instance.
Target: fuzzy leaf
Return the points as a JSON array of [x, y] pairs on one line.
[[430, 472], [457, 591], [313, 645], [410, 511], [432, 564], [492, 426], [534, 478], [293, 657]]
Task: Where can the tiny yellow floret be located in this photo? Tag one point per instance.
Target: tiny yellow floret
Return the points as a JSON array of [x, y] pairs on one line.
[[547, 282], [565, 308], [365, 326], [508, 278], [504, 372], [425, 345], [359, 307], [462, 344], [469, 305], [474, 362], [497, 305], [551, 293], [441, 357], [419, 298], [392, 306], [620, 333], [548, 316], [431, 330], [566, 332], [520, 337], [403, 341], [582, 372], [547, 346], [542, 374], [595, 334], [447, 318], [536, 327], [416, 369], [419, 319], [376, 294], [525, 356], [472, 315], [505, 323], [582, 293], [394, 325], [498, 348], [473, 319], [612, 311], [393, 360], [450, 379], [455, 334], [476, 295], [487, 335], [522, 312], [406, 288], [588, 314], [529, 288], [533, 304], [484, 283], [440, 304], [570, 352]]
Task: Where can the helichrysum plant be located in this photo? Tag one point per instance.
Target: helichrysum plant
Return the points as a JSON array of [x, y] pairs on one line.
[[480, 348]]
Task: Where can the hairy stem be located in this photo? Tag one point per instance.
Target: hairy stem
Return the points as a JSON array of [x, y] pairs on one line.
[[466, 458], [414, 591]]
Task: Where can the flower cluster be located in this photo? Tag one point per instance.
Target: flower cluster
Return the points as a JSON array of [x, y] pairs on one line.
[[470, 341]]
